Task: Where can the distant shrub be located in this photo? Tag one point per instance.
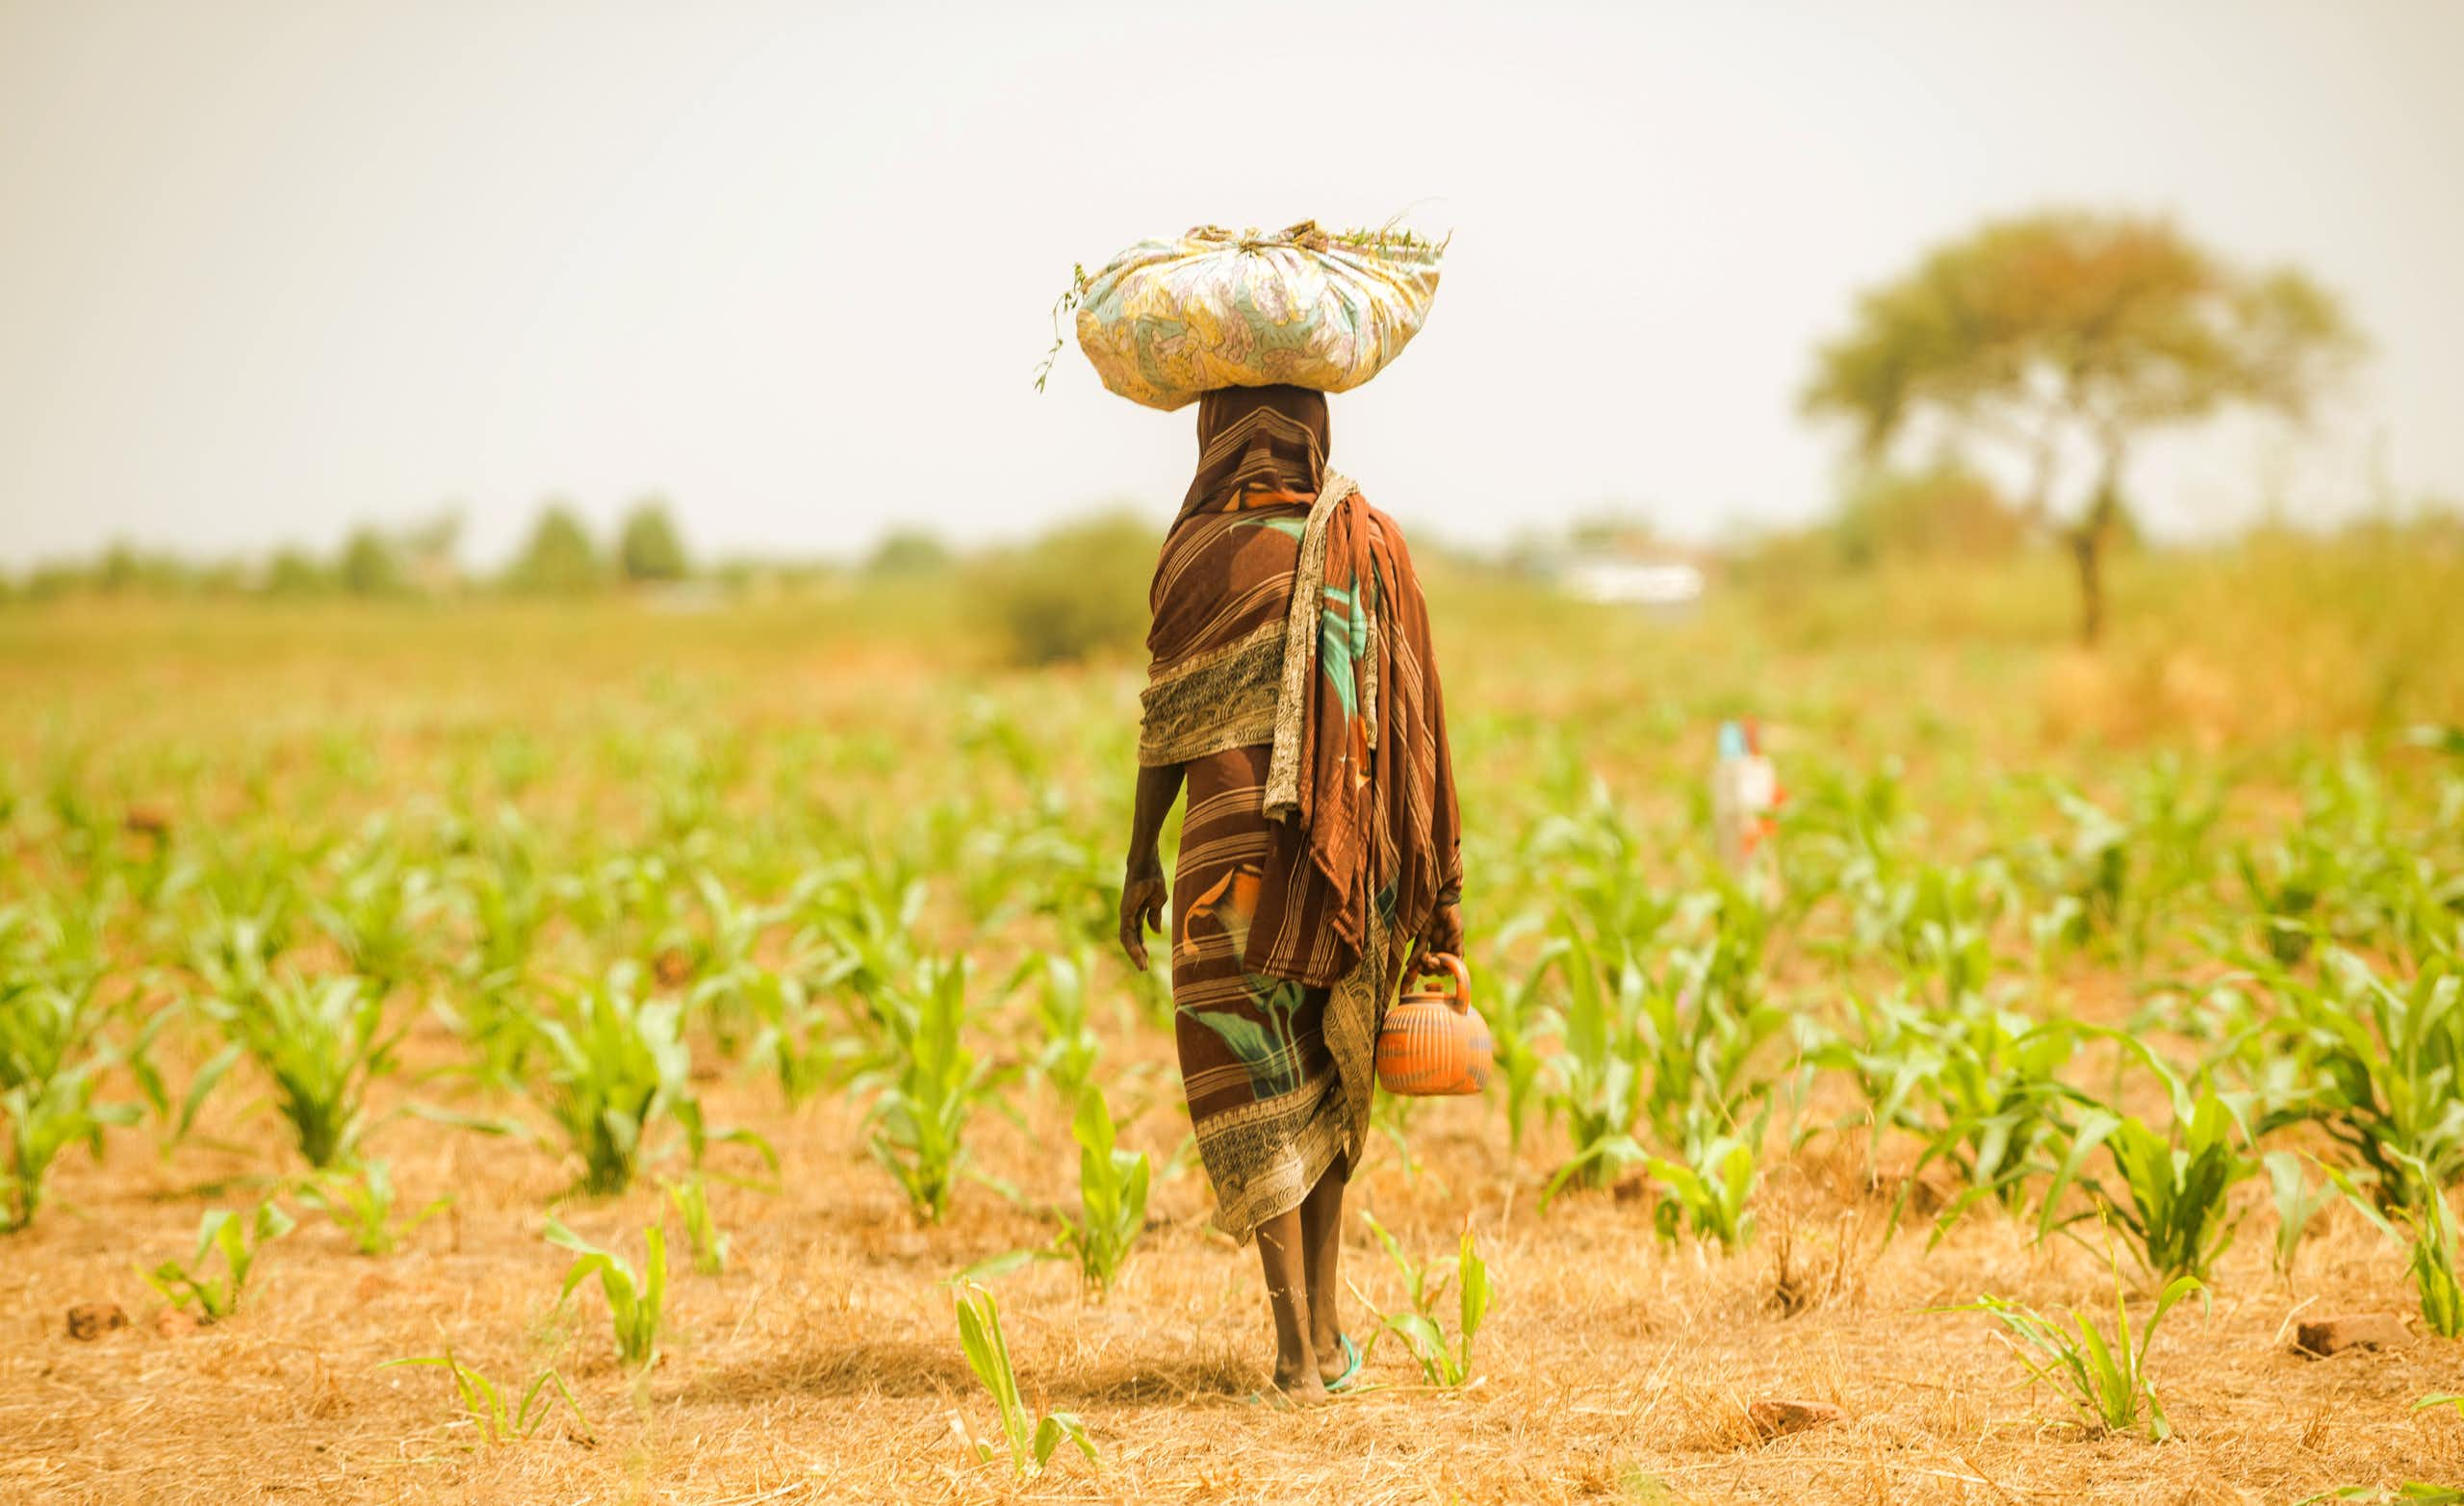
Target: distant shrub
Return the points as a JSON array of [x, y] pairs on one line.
[[1076, 592], [371, 565], [909, 551], [649, 547], [1943, 513], [560, 556], [294, 572]]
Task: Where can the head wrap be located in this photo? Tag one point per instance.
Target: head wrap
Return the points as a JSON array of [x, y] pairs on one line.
[[1270, 436]]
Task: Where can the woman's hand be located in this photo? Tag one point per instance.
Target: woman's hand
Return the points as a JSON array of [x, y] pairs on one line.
[[1142, 906], [1444, 936]]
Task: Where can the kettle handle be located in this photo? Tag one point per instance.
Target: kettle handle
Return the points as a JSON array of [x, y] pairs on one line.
[[1453, 967]]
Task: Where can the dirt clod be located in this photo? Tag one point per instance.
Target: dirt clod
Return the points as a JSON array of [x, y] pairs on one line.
[[172, 1323], [92, 1320], [1779, 1419], [2323, 1337]]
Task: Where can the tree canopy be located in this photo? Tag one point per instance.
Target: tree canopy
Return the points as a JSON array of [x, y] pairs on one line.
[[2065, 336], [560, 555], [649, 547]]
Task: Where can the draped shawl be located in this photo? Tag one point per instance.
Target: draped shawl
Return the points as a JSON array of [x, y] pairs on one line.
[[1294, 617]]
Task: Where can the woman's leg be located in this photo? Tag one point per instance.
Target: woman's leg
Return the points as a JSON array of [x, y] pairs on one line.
[[1321, 1248], [1280, 1243]]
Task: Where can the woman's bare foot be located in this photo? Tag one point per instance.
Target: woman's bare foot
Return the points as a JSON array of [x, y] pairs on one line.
[[1303, 1388]]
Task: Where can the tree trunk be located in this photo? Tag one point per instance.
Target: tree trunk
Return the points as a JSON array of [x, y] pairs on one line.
[[2087, 546], [2087, 550]]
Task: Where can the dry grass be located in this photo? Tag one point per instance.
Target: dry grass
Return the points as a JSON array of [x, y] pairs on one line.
[[824, 1366]]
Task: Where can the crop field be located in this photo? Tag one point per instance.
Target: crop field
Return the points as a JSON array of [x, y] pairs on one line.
[[503, 1051]]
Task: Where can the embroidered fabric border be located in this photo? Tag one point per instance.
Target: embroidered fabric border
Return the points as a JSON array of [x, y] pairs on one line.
[[1214, 700], [1281, 1146], [1300, 653]]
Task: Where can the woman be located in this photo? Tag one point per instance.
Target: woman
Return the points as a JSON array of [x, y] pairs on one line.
[[1294, 690]]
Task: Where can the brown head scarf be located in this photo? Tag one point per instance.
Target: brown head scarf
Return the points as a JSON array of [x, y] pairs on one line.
[[1258, 436]]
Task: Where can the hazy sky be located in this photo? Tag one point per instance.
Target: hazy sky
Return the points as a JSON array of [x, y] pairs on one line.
[[269, 268]]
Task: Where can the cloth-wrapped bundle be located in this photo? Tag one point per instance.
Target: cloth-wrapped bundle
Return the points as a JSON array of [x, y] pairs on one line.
[[1166, 320]]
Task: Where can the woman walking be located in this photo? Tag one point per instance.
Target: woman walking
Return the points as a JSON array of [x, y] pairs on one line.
[[1293, 690]]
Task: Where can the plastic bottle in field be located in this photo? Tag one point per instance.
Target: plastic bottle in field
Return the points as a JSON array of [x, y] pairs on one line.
[[1745, 797]]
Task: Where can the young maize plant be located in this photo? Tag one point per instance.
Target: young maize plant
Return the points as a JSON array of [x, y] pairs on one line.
[[383, 913], [2103, 1376], [322, 1041], [1064, 982], [360, 1200], [615, 1067], [2176, 1187], [691, 1200], [2425, 1225], [1711, 1191], [1030, 1441], [483, 1403], [43, 1119], [1669, 1052], [184, 1285], [1515, 1018], [1112, 1196], [2380, 1064], [174, 1118], [636, 1302], [1441, 1364], [928, 1088], [49, 1066], [2297, 1201]]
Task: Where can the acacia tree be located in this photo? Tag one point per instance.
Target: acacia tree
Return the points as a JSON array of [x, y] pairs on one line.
[[2069, 337]]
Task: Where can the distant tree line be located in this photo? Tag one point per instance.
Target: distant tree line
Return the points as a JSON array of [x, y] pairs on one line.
[[560, 555]]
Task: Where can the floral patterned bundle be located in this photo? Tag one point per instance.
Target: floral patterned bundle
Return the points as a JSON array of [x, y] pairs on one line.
[[1168, 320]]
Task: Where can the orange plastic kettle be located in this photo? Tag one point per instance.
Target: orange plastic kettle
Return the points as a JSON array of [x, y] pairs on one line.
[[1433, 1043]]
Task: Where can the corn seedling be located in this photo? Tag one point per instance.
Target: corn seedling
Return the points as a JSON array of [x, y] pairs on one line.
[[360, 1200], [1067, 1059], [927, 1089], [1425, 1282], [2381, 1064], [2425, 1225], [44, 1028], [323, 1041], [483, 1402], [614, 1067], [2176, 1188], [2103, 1376], [1515, 1016], [2297, 1201], [44, 1119], [381, 916], [1030, 1441], [635, 1301], [1112, 1196], [1711, 1191], [175, 1118], [184, 1285], [691, 1200]]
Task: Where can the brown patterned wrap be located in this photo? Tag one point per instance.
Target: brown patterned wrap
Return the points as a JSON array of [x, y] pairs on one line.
[[1321, 826]]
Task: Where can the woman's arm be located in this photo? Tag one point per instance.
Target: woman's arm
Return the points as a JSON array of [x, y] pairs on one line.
[[1141, 891]]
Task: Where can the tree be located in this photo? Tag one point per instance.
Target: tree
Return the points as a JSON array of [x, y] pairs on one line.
[[559, 556], [2067, 337], [649, 547], [908, 551], [371, 564]]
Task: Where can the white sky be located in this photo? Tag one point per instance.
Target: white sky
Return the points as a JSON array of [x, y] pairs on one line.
[[267, 270]]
